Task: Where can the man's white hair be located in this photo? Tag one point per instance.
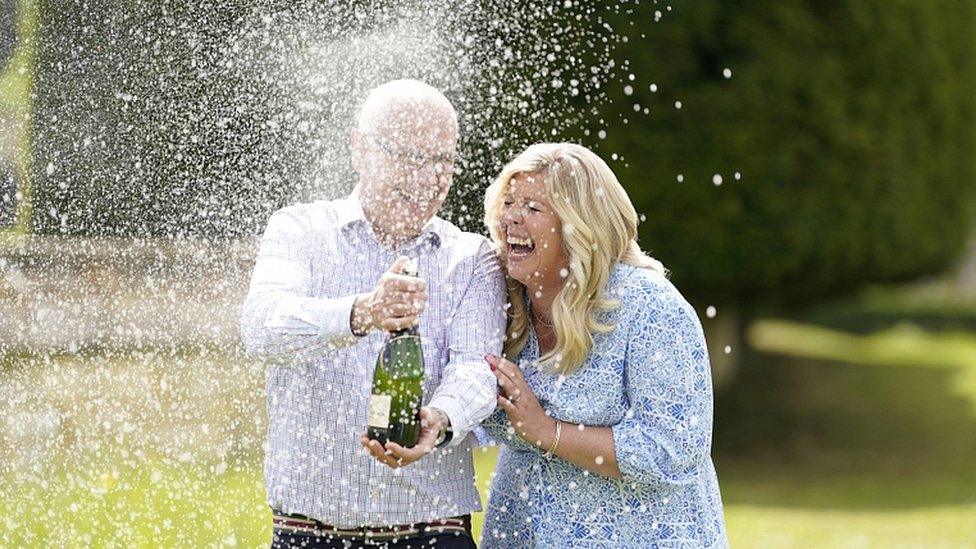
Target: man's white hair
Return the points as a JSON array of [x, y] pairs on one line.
[[381, 100]]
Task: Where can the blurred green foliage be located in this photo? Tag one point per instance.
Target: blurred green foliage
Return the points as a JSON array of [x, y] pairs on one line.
[[202, 118], [18, 19], [142, 127], [853, 125]]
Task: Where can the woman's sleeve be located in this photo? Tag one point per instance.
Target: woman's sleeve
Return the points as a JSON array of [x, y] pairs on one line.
[[666, 434]]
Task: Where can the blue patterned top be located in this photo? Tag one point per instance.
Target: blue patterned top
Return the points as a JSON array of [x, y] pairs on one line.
[[649, 379]]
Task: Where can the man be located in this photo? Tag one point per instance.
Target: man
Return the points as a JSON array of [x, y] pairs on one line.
[[326, 290]]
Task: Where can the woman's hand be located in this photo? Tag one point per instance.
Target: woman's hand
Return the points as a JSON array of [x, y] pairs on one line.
[[530, 421], [591, 448]]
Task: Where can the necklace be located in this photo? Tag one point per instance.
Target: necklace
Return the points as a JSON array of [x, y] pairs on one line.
[[537, 317]]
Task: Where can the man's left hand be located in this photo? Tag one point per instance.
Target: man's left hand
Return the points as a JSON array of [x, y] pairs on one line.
[[394, 455]]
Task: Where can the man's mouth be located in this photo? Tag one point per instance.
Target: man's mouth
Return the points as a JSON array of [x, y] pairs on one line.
[[519, 248]]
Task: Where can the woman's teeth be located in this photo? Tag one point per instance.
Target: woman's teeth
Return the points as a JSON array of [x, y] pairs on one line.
[[520, 246]]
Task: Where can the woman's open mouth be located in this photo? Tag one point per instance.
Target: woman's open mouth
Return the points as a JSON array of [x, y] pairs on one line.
[[519, 248]]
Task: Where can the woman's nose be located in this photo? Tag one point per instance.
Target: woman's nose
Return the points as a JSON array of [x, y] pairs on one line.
[[511, 215]]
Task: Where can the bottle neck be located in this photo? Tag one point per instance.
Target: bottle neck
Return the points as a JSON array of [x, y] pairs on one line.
[[412, 331], [409, 270]]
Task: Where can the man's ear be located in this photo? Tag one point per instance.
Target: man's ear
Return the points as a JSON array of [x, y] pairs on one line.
[[357, 149]]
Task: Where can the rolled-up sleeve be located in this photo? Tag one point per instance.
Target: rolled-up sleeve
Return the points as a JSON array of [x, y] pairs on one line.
[[467, 391], [665, 437], [280, 318]]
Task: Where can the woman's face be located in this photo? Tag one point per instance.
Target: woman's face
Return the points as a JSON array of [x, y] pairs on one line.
[[532, 235]]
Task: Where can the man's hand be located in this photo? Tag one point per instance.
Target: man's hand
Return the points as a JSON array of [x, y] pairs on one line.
[[395, 304], [397, 456]]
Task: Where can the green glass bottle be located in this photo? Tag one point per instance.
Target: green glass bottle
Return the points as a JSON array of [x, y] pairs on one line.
[[394, 407]]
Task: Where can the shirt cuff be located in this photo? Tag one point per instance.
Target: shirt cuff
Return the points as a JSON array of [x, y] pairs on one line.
[[455, 413]]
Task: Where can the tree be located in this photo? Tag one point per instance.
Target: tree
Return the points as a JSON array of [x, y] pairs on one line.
[[851, 124], [202, 117]]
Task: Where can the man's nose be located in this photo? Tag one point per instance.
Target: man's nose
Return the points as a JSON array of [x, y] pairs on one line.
[[428, 173], [425, 170]]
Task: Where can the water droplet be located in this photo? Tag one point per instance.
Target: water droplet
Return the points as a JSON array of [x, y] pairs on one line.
[[717, 179], [727, 73], [710, 312]]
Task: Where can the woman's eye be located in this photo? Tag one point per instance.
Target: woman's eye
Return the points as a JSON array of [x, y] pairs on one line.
[[534, 209], [507, 203]]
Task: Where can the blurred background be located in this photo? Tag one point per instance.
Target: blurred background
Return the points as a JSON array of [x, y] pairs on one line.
[[807, 170]]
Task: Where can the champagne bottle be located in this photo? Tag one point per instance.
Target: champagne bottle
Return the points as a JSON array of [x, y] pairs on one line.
[[394, 407]]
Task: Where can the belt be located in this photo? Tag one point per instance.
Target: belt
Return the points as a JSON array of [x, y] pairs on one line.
[[371, 534]]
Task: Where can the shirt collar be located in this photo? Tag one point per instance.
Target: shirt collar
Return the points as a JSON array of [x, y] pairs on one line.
[[351, 214]]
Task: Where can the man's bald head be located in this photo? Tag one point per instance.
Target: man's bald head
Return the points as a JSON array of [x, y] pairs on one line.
[[405, 105]]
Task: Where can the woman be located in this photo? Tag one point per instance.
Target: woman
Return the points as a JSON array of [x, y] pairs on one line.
[[607, 416]]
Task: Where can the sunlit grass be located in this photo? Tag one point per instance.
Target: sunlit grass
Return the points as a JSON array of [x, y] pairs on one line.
[[158, 503], [154, 504], [178, 505], [848, 492], [905, 345], [784, 527], [901, 346], [109, 478], [484, 467]]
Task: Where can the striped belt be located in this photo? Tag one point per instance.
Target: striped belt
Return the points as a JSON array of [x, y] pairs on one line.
[[371, 534]]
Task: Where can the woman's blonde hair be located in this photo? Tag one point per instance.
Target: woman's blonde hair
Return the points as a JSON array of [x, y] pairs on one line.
[[599, 228]]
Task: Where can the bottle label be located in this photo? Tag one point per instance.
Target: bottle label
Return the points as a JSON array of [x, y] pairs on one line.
[[379, 411]]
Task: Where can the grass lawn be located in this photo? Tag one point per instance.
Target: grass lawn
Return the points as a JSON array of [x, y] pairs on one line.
[[160, 505], [835, 436]]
